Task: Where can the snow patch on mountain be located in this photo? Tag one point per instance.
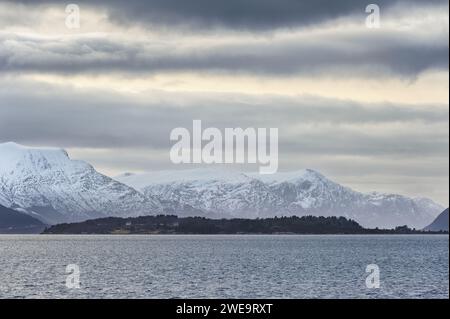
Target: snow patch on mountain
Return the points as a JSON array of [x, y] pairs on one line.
[[199, 176]]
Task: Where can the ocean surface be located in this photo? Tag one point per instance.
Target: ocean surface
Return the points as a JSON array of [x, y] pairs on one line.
[[243, 266]]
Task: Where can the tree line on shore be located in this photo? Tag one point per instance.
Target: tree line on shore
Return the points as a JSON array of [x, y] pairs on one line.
[[171, 224]]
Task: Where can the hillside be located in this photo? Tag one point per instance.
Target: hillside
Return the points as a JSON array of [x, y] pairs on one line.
[[440, 223], [12, 221]]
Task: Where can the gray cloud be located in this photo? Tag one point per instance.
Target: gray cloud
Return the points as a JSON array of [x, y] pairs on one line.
[[236, 14], [377, 54], [310, 125], [353, 52]]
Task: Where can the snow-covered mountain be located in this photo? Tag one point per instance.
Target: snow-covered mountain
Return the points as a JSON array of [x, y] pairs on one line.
[[54, 188], [225, 193], [304, 192], [47, 184]]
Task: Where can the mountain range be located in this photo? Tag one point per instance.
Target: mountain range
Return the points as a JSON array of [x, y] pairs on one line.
[[300, 193], [48, 185]]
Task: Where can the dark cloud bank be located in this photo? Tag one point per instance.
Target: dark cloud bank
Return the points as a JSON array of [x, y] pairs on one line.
[[237, 14]]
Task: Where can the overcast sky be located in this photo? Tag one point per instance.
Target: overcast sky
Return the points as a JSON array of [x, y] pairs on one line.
[[367, 107]]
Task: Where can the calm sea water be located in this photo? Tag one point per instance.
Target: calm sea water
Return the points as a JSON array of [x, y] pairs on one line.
[[224, 266]]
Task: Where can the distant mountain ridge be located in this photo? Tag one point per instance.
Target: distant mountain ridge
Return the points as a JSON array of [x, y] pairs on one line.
[[12, 221], [50, 186], [440, 223]]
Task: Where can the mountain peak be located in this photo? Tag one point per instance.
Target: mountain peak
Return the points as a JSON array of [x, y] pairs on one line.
[[48, 183], [15, 157], [291, 177], [19, 148], [10, 144]]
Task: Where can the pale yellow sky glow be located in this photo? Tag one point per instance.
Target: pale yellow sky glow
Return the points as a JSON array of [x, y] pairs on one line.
[[431, 87]]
